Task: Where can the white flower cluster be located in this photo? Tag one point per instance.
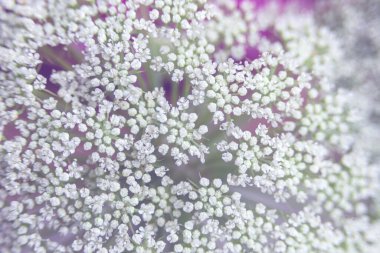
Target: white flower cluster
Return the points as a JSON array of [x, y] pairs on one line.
[[161, 125], [357, 22]]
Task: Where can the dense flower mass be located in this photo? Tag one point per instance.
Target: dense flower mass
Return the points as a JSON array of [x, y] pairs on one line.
[[182, 126]]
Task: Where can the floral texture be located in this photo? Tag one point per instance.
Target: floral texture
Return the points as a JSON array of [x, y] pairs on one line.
[[358, 22], [180, 126]]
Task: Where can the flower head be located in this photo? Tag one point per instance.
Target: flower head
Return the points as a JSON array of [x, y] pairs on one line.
[[178, 126]]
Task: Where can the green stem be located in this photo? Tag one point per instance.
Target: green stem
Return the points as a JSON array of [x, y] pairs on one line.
[[55, 58], [174, 94]]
